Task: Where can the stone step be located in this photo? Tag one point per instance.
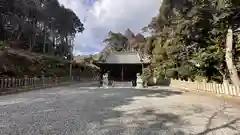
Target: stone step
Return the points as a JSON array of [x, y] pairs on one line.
[[122, 84]]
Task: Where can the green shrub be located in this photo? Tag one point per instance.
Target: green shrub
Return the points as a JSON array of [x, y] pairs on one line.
[[3, 43], [147, 75]]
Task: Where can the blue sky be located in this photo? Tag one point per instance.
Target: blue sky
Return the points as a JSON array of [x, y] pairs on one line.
[[101, 16]]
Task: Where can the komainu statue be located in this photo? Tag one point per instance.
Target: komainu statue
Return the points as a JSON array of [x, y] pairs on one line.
[[105, 80], [139, 81]]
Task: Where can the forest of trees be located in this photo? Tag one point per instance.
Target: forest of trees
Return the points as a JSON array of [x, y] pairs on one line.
[[124, 42], [197, 40], [191, 40], [42, 26], [36, 36]]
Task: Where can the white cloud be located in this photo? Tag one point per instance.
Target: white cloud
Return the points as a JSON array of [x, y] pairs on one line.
[[106, 15]]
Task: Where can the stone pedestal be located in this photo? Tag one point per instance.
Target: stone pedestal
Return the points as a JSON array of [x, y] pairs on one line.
[[139, 81], [105, 80]]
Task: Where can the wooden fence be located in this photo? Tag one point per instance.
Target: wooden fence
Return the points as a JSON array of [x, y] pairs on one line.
[[26, 83], [225, 89]]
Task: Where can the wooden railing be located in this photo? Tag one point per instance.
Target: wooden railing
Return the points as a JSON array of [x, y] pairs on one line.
[[26, 83], [225, 89]]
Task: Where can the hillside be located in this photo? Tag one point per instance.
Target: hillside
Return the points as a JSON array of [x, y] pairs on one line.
[[37, 36], [17, 63]]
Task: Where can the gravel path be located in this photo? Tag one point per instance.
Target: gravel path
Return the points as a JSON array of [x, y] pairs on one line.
[[95, 111]]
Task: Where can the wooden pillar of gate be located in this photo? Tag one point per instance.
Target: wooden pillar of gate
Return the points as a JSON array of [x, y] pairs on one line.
[[122, 74]]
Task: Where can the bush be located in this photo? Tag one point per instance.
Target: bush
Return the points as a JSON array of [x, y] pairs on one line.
[[146, 74], [3, 45]]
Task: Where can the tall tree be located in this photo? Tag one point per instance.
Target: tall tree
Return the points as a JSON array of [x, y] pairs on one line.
[[116, 40], [37, 25], [185, 34]]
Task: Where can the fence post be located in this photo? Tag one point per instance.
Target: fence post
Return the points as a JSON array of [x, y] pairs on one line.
[[56, 81], [31, 80], [204, 86], [25, 81], [209, 87], [222, 88], [195, 85], [5, 83], [16, 79], [230, 90], [9, 82], [214, 90], [14, 82], [198, 86], [218, 89], [238, 91], [42, 79], [234, 90], [35, 81], [226, 86], [49, 81], [19, 82], [2, 82]]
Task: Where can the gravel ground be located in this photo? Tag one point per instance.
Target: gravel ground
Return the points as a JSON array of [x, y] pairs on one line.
[[96, 111]]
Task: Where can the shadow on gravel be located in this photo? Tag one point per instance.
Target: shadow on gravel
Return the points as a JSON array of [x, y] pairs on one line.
[[162, 93], [114, 121], [162, 123], [102, 111], [209, 128]]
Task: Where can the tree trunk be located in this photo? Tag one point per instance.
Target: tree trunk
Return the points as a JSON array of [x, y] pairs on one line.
[[19, 35], [35, 33], [229, 58], [62, 46], [34, 40], [19, 32], [30, 43], [66, 47], [32, 37], [53, 45], [44, 42]]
